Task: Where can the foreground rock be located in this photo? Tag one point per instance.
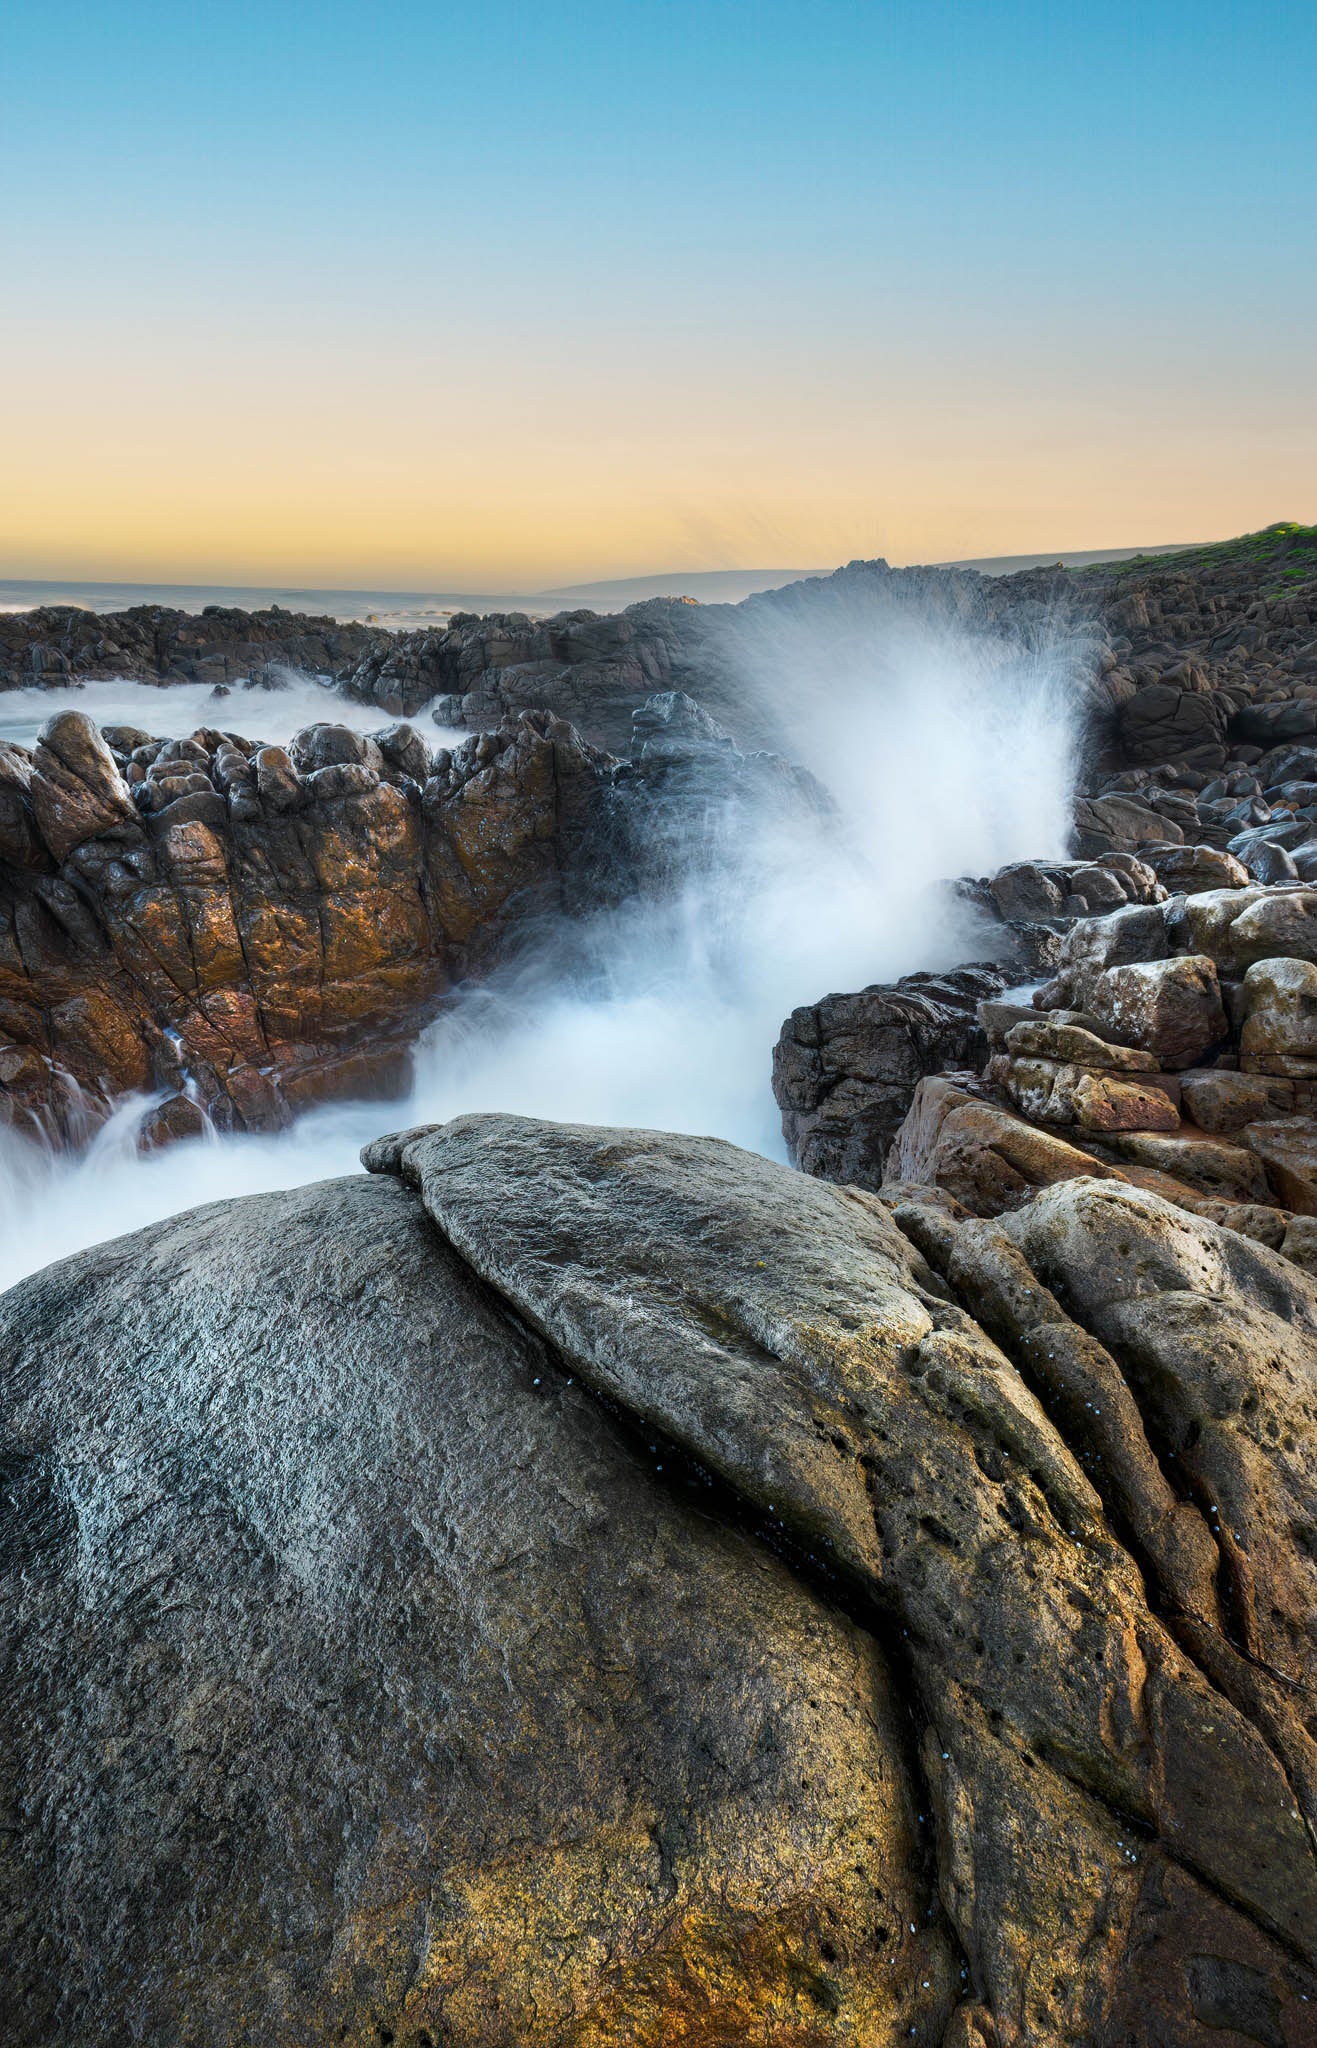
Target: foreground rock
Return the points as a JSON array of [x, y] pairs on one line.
[[837, 1675]]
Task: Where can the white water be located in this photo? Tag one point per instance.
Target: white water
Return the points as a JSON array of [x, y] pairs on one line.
[[172, 711], [945, 759]]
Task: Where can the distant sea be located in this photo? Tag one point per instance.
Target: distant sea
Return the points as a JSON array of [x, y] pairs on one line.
[[397, 609], [403, 609]]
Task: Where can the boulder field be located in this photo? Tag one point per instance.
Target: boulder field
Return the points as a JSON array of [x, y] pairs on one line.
[[586, 1586], [1173, 1048]]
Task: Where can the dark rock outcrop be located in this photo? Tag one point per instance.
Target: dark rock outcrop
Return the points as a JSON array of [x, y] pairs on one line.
[[845, 1069], [58, 644], [610, 1589]]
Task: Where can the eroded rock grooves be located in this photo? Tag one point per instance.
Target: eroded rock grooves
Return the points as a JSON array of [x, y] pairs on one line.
[[438, 1711]]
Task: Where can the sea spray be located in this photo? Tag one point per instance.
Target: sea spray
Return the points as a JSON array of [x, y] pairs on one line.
[[946, 750]]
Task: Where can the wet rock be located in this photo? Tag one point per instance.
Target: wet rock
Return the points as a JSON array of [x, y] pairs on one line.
[[277, 782], [332, 746]]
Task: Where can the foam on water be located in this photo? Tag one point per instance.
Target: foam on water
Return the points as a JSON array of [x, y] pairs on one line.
[[947, 755], [172, 711]]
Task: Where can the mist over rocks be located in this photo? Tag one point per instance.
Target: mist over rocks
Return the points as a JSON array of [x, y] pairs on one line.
[[599, 1585], [254, 929]]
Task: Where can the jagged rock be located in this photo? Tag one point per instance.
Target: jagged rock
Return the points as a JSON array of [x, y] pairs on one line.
[[157, 644], [1199, 1437], [259, 927], [845, 1070]]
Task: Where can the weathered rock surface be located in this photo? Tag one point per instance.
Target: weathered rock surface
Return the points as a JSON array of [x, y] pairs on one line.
[[845, 1070], [366, 1681], [255, 928], [606, 1589], [154, 643]]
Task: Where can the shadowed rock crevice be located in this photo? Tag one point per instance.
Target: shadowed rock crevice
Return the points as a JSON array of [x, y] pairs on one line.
[[1153, 1498]]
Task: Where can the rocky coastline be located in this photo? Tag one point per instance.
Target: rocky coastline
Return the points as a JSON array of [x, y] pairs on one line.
[[576, 1588]]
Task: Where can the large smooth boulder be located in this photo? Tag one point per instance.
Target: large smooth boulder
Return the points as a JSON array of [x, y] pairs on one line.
[[608, 1589], [366, 1681]]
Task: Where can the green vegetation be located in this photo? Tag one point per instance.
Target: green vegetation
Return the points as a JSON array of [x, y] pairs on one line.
[[1286, 547]]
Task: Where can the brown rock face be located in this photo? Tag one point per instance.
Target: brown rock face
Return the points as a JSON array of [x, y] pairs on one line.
[[266, 928]]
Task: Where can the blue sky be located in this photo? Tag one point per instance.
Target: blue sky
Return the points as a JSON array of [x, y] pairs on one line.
[[946, 270]]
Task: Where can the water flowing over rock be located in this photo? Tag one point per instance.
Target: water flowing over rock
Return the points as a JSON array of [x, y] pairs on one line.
[[599, 1586]]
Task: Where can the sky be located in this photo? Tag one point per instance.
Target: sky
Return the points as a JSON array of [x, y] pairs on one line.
[[504, 296]]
